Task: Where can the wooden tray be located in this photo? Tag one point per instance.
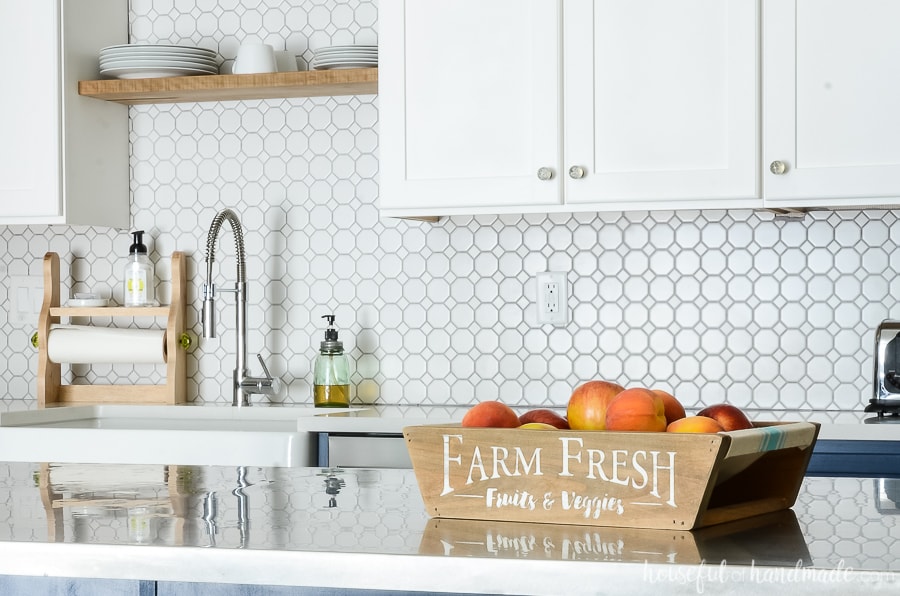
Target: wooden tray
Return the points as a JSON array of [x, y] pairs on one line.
[[603, 478]]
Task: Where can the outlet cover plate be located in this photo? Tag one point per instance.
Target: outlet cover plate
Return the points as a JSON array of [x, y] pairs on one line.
[[552, 298], [26, 292]]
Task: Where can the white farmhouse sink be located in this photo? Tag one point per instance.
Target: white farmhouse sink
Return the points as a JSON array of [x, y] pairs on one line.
[[186, 435]]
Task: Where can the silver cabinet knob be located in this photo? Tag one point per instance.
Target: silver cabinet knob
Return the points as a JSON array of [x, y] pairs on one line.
[[778, 167], [545, 173], [576, 172]]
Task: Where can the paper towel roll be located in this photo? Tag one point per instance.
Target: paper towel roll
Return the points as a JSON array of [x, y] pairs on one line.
[[81, 344]]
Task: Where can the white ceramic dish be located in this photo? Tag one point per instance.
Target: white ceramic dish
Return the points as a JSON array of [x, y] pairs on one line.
[[345, 56], [151, 73], [149, 57], [339, 52], [158, 64], [349, 58], [87, 302], [337, 65], [347, 47], [161, 49]]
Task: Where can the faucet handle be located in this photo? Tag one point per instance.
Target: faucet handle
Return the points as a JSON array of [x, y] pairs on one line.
[[262, 363], [268, 385]]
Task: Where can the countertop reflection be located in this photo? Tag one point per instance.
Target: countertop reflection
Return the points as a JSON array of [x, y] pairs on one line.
[[381, 511], [223, 507], [162, 519]]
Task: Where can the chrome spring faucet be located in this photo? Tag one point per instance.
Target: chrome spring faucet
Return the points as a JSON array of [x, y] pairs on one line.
[[244, 385]]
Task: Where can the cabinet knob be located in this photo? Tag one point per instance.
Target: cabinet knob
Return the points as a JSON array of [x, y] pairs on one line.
[[576, 172], [778, 167], [545, 173]]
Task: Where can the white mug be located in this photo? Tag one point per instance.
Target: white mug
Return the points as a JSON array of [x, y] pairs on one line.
[[254, 58], [285, 61]]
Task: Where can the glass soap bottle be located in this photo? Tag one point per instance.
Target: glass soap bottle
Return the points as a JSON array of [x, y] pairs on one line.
[[139, 279], [331, 377]]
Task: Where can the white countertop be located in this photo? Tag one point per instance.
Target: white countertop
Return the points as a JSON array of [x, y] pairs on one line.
[[279, 526], [391, 419], [386, 419], [383, 419]]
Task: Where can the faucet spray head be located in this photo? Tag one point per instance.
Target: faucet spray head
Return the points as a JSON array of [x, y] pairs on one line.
[[208, 314]]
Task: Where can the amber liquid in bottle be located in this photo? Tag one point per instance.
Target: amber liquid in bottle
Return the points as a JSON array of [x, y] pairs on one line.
[[333, 396], [331, 371]]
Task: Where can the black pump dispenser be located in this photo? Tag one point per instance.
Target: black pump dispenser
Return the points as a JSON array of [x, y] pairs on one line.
[[331, 345], [139, 277], [138, 247]]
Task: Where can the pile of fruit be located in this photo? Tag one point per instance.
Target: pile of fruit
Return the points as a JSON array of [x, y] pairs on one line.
[[604, 405]]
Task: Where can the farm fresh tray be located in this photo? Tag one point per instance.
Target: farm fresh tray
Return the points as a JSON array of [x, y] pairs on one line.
[[609, 478]]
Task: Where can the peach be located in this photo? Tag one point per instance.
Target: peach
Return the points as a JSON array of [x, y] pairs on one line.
[[694, 424], [730, 417], [636, 409], [544, 415], [587, 405], [538, 426], [493, 414], [673, 407]]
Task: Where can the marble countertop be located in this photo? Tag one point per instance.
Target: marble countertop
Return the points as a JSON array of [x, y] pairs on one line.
[[364, 528]]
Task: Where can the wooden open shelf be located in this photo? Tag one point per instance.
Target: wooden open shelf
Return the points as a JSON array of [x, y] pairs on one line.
[[277, 85], [109, 311]]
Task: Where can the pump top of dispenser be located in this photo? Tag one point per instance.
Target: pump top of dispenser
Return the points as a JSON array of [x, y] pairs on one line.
[[138, 247], [331, 345]]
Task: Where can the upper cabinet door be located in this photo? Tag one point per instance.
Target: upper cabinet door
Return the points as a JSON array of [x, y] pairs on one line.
[[662, 103], [469, 104], [63, 157], [831, 102], [29, 111]]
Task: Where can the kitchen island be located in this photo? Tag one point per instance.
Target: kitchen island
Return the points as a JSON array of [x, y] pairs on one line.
[[193, 527]]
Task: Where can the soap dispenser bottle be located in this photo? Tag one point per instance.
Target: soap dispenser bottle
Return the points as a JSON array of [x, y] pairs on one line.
[[139, 279], [331, 377]]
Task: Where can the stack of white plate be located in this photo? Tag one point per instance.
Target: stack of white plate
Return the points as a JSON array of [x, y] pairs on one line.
[[352, 56], [139, 61]]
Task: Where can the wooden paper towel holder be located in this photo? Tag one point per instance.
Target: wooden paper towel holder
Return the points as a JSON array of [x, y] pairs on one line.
[[51, 391]]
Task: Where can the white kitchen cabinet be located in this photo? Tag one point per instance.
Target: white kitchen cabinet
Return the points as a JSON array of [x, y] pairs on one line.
[[831, 96], [63, 158], [661, 103], [469, 104], [581, 105]]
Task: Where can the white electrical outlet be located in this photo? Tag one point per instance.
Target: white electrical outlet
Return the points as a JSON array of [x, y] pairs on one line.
[[552, 298], [25, 296]]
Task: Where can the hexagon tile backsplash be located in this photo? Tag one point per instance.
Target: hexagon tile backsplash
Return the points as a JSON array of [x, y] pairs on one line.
[[712, 305]]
